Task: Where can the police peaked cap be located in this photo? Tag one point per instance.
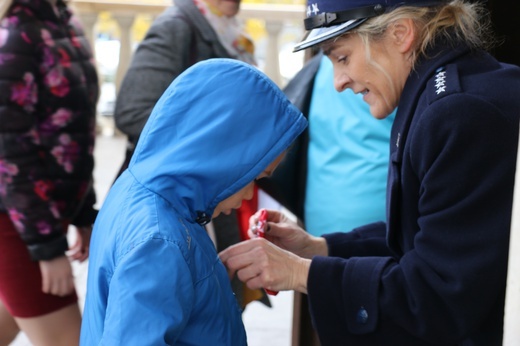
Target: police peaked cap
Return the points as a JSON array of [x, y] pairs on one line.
[[327, 19]]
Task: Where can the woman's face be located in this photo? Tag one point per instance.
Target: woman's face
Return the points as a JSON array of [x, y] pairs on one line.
[[235, 201], [229, 8], [380, 75]]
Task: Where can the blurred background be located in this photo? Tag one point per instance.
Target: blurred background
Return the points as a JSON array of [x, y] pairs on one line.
[[117, 26]]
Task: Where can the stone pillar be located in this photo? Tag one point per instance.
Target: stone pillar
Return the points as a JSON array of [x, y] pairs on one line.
[[272, 64], [89, 20], [125, 23]]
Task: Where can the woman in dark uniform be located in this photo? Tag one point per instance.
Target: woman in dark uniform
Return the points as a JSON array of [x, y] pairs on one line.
[[435, 272]]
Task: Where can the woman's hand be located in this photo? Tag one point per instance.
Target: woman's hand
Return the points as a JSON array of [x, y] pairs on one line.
[[278, 262], [285, 233], [80, 250], [57, 278], [261, 264]]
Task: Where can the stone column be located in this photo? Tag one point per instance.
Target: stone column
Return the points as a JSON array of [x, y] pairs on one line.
[[88, 20], [272, 64], [125, 22]]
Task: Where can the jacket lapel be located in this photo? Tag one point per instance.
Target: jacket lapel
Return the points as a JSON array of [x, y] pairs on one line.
[[406, 111]]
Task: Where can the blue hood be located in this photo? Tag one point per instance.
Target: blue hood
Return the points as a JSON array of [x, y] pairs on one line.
[[213, 131]]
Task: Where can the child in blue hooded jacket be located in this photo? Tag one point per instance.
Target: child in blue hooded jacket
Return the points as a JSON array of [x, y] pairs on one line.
[[154, 274]]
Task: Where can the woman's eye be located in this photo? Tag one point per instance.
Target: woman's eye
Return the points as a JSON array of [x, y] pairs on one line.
[[342, 59]]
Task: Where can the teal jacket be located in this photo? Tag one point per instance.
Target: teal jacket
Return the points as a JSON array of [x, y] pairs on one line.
[[154, 274]]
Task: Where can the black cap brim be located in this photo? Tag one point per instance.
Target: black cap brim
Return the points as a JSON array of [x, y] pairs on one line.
[[320, 35]]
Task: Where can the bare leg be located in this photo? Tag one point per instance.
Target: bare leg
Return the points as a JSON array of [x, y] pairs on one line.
[[8, 328], [59, 328]]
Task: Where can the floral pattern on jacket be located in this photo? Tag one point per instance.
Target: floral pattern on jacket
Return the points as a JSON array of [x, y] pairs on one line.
[[48, 94]]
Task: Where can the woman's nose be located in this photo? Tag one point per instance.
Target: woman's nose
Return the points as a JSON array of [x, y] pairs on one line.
[[341, 81]]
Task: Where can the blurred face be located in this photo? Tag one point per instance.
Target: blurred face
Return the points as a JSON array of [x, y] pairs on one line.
[[229, 8], [380, 75], [235, 201]]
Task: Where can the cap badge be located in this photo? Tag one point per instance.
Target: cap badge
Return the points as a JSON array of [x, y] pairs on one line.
[[312, 9]]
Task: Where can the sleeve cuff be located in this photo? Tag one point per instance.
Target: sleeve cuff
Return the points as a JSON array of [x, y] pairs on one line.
[[347, 290], [85, 218], [49, 250]]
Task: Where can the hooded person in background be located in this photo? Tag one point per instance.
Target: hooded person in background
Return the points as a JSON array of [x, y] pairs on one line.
[[154, 275], [435, 272]]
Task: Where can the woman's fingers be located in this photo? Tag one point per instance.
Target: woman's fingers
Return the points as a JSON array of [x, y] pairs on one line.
[[259, 263]]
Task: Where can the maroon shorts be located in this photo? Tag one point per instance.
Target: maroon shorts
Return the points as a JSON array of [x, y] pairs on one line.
[[21, 280]]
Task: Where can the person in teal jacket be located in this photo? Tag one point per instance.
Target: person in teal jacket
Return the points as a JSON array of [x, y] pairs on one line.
[[154, 274]]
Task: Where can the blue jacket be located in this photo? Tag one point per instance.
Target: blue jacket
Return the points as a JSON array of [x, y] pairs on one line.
[[435, 274], [154, 274]]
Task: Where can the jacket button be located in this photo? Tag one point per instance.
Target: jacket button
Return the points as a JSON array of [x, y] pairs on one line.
[[362, 316]]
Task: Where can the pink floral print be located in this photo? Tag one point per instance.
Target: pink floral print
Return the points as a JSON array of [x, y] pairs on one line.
[[64, 58], [25, 93], [34, 136], [17, 218], [48, 59], [5, 58], [55, 209], [58, 84], [4, 35], [61, 117], [57, 120], [7, 172], [66, 153], [47, 38], [43, 227], [74, 39], [43, 188], [26, 38], [9, 21]]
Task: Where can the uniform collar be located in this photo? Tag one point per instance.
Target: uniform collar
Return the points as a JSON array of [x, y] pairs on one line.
[[425, 69]]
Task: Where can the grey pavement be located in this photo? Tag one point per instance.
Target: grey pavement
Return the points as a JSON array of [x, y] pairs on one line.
[[264, 326]]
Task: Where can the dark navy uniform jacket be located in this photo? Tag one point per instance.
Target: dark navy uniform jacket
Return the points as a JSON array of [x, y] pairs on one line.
[[435, 273]]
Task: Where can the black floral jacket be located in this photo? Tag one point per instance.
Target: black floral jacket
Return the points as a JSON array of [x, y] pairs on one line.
[[48, 93]]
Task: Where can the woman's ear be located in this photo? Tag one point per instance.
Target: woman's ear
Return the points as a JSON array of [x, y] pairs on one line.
[[402, 33]]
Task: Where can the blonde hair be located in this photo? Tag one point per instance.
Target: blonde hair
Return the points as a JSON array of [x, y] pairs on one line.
[[454, 22], [4, 6]]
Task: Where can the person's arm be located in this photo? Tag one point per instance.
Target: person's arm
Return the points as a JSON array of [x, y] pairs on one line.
[[163, 54], [367, 240], [283, 261], [150, 297], [86, 213]]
